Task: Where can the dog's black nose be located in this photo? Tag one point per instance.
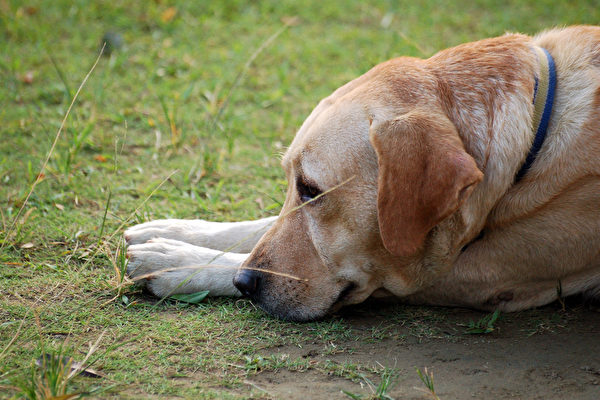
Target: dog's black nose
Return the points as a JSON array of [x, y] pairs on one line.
[[246, 280]]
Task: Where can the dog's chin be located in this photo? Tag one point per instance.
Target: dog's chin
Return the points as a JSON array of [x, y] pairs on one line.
[[351, 295], [293, 314], [292, 311], [298, 311]]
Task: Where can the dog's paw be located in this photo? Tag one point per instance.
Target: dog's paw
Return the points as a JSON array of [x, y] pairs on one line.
[[167, 267], [226, 236], [176, 229]]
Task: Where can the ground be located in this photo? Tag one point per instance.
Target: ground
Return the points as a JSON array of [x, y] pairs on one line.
[[185, 116], [541, 354]]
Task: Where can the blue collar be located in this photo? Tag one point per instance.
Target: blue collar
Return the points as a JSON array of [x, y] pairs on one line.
[[543, 99]]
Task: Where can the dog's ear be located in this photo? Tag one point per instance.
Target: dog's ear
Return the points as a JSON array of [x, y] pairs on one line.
[[424, 175]]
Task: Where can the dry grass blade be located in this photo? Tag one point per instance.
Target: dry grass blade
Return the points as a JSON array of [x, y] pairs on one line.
[[5, 352], [282, 274], [243, 71], [318, 196], [16, 335], [200, 267], [51, 151], [414, 44], [255, 386], [80, 367]]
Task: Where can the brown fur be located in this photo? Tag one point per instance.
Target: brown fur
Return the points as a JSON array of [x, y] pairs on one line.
[[422, 165], [432, 147]]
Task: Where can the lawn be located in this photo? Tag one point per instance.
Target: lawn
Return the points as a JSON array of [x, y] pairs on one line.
[[185, 116]]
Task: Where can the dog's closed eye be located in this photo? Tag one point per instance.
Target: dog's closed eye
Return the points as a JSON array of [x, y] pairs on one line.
[[306, 191]]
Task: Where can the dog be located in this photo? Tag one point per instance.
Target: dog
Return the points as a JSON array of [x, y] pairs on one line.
[[470, 179]]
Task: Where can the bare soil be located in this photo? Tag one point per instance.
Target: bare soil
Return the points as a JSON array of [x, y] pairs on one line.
[[547, 353]]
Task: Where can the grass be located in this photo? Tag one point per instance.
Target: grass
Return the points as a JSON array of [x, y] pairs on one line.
[[52, 375], [427, 378], [380, 391], [185, 119], [483, 325]]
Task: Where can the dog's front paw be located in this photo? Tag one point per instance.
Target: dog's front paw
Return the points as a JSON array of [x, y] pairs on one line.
[[189, 231], [226, 236], [167, 267]]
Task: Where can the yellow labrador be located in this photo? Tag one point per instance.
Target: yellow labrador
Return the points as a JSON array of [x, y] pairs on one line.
[[471, 179]]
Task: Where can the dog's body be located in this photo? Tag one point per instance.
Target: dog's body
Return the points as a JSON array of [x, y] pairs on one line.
[[403, 169]]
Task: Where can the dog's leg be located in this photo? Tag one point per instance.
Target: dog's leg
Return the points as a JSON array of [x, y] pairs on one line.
[[239, 237], [167, 267]]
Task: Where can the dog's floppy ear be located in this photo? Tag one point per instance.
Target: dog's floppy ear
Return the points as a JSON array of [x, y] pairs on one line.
[[424, 175]]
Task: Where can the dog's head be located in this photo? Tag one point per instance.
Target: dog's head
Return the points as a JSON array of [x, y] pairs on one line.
[[371, 172]]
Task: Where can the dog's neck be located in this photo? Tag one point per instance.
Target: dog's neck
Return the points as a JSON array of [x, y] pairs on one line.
[[489, 112], [483, 88], [543, 100]]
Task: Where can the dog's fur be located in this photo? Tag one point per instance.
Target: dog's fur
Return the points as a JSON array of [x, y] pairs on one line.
[[420, 157]]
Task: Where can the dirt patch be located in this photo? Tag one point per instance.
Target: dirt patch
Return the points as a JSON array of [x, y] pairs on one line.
[[548, 353]]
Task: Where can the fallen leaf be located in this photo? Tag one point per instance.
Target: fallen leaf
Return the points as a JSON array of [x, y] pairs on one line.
[[67, 361], [387, 19], [27, 78], [168, 14], [192, 298], [59, 206], [28, 245], [260, 202], [30, 10]]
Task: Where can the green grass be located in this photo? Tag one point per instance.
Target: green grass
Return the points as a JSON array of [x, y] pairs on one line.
[[179, 100], [483, 325], [379, 391], [427, 378]]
